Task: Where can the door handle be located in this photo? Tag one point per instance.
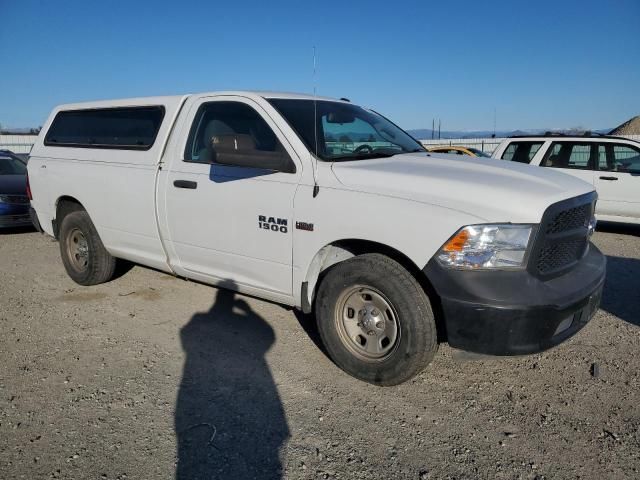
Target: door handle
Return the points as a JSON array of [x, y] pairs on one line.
[[185, 184], [608, 178]]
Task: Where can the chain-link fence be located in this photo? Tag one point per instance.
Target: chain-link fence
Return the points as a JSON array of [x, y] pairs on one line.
[[17, 143]]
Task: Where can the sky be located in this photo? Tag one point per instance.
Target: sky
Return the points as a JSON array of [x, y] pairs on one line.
[[536, 64]]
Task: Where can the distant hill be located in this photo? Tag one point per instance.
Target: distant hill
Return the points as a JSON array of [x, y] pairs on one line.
[[630, 127], [19, 131], [426, 134]]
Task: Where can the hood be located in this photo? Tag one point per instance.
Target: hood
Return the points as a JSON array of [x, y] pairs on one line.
[[492, 190], [13, 184]]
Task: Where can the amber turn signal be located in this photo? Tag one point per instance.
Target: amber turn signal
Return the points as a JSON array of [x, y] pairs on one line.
[[457, 243]]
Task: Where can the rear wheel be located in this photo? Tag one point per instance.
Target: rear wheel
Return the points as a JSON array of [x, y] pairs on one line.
[[375, 320], [84, 257]]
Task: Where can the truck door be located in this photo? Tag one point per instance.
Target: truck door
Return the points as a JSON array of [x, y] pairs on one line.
[[228, 197], [618, 180]]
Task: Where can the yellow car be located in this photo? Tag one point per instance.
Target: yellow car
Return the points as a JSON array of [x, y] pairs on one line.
[[472, 152]]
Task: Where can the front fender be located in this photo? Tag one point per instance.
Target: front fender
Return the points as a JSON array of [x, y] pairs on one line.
[[414, 229]]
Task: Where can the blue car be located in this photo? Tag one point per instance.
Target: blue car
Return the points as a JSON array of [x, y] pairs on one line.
[[14, 201]]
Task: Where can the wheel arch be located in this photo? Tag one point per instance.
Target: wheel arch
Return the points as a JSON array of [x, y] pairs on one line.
[[64, 206], [341, 250]]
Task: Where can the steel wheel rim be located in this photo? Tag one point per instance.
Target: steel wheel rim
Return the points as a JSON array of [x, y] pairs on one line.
[[367, 323], [78, 249]]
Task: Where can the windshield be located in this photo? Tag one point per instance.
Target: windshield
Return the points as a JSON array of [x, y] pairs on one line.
[[344, 131], [12, 166], [479, 153]]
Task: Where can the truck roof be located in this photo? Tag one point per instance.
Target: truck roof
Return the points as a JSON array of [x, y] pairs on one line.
[[177, 99]]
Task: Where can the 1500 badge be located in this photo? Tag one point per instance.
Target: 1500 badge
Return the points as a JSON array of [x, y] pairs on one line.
[[272, 223]]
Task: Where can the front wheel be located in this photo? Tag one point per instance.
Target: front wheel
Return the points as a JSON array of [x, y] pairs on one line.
[[85, 259], [375, 320]]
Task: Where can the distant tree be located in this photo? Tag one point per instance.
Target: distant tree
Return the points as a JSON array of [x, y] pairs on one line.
[[345, 139]]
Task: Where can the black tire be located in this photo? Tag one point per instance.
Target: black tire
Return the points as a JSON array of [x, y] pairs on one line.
[[415, 343], [90, 268]]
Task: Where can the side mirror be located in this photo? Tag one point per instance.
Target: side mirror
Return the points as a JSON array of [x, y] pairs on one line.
[[275, 161]]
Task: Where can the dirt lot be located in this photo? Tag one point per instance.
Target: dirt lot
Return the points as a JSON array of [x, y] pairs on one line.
[[120, 380]]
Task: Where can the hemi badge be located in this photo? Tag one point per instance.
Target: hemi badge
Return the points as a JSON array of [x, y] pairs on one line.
[[304, 226]]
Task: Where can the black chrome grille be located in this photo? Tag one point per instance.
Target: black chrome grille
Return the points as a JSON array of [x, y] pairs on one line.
[[556, 256], [563, 236], [570, 219]]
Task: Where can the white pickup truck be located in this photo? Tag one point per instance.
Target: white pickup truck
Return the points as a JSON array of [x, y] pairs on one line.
[[323, 205]]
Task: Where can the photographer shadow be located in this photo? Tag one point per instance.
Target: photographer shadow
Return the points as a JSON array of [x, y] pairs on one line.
[[621, 296], [229, 419]]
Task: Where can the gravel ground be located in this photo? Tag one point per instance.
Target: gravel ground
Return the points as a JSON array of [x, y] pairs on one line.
[[120, 380]]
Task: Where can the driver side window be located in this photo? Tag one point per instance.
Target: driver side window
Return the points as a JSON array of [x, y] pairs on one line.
[[619, 158], [233, 133], [570, 155]]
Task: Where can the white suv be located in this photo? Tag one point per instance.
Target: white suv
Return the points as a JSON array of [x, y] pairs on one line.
[[611, 164]]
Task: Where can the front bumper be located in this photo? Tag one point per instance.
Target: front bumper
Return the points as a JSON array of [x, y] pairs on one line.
[[506, 312], [11, 221], [14, 216]]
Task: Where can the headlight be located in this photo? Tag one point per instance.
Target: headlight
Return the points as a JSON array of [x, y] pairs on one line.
[[487, 246]]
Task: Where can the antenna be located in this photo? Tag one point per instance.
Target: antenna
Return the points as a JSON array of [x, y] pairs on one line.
[[494, 121], [316, 188]]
